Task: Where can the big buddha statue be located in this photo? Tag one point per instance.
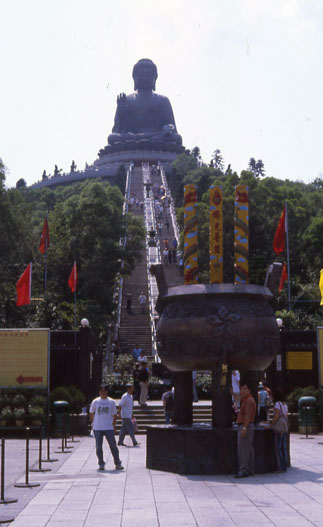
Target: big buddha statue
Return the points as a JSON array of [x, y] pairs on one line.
[[144, 120]]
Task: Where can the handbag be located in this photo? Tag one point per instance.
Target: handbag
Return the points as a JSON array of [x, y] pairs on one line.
[[281, 425]]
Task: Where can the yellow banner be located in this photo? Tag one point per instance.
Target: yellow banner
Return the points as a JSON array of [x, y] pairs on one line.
[[299, 360], [216, 235], [320, 352], [241, 235], [24, 357], [190, 235]]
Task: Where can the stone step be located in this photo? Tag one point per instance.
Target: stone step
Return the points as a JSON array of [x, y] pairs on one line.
[[153, 415]]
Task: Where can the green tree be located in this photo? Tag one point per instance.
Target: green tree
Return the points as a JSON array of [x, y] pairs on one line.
[[218, 160], [87, 228], [16, 248]]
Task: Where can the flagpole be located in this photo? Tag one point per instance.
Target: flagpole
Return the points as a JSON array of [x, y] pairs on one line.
[[287, 250], [75, 295], [46, 265], [31, 267]]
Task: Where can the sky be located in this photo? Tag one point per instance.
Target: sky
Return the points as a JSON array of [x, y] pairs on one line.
[[244, 76]]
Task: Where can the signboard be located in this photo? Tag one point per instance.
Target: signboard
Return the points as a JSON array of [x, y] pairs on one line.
[[24, 357], [299, 360], [320, 352]]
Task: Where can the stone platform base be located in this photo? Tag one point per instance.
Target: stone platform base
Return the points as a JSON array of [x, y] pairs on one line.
[[201, 449]]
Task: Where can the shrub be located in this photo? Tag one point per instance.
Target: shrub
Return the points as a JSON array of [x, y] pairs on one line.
[[71, 394], [117, 384], [19, 413], [38, 400], [6, 413], [4, 401], [36, 412], [292, 397], [204, 385], [123, 364], [19, 400]]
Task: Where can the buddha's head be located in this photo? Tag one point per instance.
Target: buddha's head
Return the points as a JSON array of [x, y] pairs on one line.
[[144, 74]]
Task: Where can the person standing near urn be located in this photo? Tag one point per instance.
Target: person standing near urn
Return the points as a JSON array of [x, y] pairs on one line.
[[245, 420]]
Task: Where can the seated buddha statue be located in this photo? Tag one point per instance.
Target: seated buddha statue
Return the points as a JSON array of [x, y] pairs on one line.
[[144, 119]]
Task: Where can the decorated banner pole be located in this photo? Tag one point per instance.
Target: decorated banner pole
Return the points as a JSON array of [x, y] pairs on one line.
[[241, 235], [216, 235], [72, 282], [190, 235]]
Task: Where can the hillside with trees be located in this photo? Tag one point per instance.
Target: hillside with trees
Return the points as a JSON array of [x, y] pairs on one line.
[[86, 224], [267, 196]]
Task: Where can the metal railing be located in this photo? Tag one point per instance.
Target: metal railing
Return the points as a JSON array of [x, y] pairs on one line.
[[171, 205], [152, 254]]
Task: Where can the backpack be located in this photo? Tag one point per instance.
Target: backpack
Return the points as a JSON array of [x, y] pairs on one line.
[[169, 402]]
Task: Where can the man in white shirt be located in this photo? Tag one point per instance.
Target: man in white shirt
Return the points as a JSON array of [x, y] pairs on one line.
[[125, 410], [103, 415]]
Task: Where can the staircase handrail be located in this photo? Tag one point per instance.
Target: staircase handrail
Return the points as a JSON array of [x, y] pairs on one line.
[[123, 243], [171, 204], [153, 255]]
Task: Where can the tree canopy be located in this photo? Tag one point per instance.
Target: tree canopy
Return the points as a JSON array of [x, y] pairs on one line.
[[86, 225], [267, 197]]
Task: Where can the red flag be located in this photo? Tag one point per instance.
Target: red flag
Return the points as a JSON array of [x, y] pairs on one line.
[[283, 278], [44, 239], [23, 287], [279, 238], [72, 281]]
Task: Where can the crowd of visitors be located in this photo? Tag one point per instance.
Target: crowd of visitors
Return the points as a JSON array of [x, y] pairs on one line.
[[104, 414]]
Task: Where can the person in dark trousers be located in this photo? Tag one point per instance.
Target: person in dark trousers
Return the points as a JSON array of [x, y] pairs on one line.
[[168, 401], [280, 414], [143, 377], [103, 415], [245, 420], [129, 300], [125, 411], [136, 383]]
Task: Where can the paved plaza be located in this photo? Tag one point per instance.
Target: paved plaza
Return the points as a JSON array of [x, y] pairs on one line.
[[75, 494]]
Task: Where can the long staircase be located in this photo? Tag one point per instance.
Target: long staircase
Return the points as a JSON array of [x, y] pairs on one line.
[[135, 326], [154, 415]]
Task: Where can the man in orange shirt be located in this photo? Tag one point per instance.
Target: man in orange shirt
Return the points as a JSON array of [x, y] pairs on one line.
[[245, 420]]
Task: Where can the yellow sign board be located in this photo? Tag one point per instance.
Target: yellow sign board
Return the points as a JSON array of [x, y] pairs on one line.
[[299, 360], [24, 357], [320, 352]]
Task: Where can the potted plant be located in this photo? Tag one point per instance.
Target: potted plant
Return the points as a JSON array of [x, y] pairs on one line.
[[4, 400], [19, 401], [38, 400], [36, 413], [6, 415], [19, 415]]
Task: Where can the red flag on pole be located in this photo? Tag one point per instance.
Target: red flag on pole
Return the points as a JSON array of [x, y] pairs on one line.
[[23, 287], [72, 281], [279, 238], [44, 238], [283, 278]]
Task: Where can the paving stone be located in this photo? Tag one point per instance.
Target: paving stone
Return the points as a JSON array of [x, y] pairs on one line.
[[31, 521], [77, 495]]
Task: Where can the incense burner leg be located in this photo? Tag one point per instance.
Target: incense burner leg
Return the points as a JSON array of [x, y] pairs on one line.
[[183, 398]]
